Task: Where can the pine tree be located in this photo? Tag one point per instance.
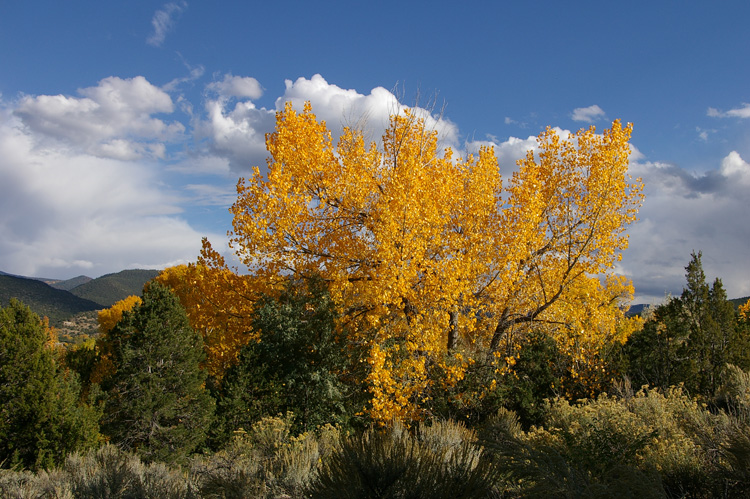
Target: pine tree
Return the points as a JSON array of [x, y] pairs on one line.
[[158, 405], [41, 419]]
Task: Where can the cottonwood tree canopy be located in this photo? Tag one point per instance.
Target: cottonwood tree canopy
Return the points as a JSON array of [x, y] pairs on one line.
[[426, 253]]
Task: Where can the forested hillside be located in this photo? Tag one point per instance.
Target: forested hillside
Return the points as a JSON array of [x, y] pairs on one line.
[[61, 300], [46, 301], [111, 288]]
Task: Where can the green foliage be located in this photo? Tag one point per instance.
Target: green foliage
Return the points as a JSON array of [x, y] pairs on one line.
[[295, 366], [536, 376], [656, 352], [439, 461], [105, 473], [41, 420], [690, 339], [157, 403], [110, 472], [649, 444]]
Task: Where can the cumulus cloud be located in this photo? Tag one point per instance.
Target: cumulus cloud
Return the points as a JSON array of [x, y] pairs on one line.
[[588, 114], [236, 133], [112, 120], [740, 112], [370, 113], [64, 212], [237, 86], [163, 21], [684, 212], [236, 128]]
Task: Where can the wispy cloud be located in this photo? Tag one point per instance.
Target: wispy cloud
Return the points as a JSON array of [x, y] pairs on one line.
[[741, 112], [163, 21], [588, 114]]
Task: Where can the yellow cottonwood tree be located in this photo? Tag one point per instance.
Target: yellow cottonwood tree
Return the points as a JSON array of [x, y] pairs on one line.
[[424, 251], [218, 303]]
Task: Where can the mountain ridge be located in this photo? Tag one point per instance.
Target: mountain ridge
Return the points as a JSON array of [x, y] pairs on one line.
[[60, 300]]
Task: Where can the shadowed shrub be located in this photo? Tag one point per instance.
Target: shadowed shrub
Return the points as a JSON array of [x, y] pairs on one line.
[[441, 460]]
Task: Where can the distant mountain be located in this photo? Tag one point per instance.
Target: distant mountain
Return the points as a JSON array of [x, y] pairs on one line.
[[69, 284], [639, 308], [111, 288], [43, 299], [635, 309], [62, 299]]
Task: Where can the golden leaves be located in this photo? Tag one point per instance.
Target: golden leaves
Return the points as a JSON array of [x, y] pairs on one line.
[[421, 249], [219, 305]]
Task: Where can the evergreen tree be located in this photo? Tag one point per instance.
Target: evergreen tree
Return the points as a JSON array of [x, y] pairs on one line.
[[295, 365], [157, 402], [41, 419], [690, 339], [656, 353]]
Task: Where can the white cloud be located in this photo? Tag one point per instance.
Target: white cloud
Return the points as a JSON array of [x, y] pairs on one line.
[[111, 120], [704, 133], [163, 21], [507, 152], [741, 112], [64, 212], [238, 133], [237, 86], [734, 168], [370, 113], [195, 72], [685, 212], [588, 114]]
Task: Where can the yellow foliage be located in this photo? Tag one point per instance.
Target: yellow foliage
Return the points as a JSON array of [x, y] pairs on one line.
[[745, 310], [218, 303], [108, 319], [424, 251]]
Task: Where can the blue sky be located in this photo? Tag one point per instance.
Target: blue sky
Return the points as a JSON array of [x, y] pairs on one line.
[[125, 125]]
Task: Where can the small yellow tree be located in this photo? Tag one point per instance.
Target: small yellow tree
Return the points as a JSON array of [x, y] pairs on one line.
[[108, 318]]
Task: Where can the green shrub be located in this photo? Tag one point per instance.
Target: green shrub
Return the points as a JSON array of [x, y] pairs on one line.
[[28, 485], [590, 450]]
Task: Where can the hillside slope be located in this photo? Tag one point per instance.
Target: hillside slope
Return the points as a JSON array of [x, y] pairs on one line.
[[43, 299], [69, 284], [111, 288]]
